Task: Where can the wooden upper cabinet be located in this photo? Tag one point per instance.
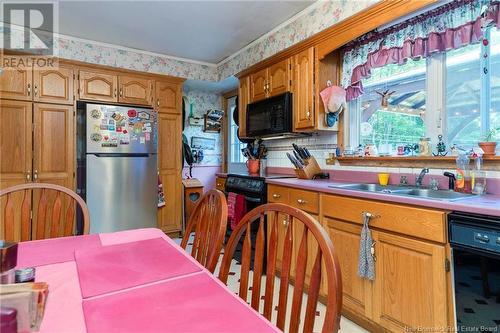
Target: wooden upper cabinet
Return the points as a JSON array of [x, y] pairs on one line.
[[303, 90], [16, 84], [53, 160], [53, 85], [100, 86], [243, 100], [410, 283], [258, 85], [135, 90], [15, 142], [168, 97], [278, 81]]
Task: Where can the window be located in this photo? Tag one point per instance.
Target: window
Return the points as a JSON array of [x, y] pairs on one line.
[[464, 83], [236, 159], [401, 121]]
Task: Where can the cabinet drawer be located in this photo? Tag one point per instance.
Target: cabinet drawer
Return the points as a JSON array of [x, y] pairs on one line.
[[220, 183], [418, 222], [278, 194], [305, 200]]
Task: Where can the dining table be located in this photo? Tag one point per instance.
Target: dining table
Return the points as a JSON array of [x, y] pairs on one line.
[[132, 281]]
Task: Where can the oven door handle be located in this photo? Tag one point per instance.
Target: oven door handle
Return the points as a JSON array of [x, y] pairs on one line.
[[247, 198]]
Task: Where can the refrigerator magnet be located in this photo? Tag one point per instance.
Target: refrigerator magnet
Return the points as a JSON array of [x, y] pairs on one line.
[[142, 140], [147, 136], [132, 113], [96, 137], [96, 114], [143, 115]]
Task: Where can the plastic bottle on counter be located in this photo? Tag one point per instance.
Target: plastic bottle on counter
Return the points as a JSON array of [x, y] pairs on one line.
[[463, 183]]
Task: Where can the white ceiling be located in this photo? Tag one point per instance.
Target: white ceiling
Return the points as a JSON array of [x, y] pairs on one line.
[[207, 31]]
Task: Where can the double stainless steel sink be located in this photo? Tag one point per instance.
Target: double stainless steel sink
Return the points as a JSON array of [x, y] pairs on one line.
[[407, 191]]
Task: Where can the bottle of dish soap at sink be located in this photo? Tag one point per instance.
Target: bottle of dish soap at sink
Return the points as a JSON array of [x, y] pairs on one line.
[[463, 183]]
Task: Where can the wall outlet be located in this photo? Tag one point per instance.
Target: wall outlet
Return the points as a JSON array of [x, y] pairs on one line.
[[330, 160]]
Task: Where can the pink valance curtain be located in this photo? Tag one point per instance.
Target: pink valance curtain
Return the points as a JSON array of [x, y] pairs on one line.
[[451, 26]]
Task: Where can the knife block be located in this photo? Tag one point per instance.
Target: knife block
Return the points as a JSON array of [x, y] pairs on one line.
[[310, 169]]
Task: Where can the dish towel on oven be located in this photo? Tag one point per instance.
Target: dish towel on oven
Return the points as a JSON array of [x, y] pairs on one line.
[[366, 264], [236, 208]]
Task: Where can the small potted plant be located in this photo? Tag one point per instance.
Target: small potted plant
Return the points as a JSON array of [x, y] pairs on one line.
[[489, 145]]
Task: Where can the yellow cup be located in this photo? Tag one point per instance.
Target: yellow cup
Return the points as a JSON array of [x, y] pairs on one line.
[[383, 179]]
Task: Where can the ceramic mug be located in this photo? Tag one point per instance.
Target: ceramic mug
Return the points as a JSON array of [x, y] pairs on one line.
[[383, 179], [253, 166]]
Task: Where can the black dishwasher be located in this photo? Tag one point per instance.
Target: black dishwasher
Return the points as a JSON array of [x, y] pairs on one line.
[[475, 242]]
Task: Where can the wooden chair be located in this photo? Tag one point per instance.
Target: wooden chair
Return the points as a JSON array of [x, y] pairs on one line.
[[325, 253], [54, 216], [208, 221]]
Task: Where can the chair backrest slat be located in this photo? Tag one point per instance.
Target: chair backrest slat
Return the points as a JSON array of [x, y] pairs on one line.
[[300, 274], [208, 221], [48, 220], [271, 266], [285, 274], [9, 218], [312, 300], [258, 263], [56, 216], [245, 264], [41, 215], [312, 241], [26, 216]]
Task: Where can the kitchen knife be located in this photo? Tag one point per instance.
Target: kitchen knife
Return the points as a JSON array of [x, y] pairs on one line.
[[293, 160], [298, 158], [298, 150], [306, 151]]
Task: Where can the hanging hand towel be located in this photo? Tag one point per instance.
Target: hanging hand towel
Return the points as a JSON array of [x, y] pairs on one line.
[[231, 202], [240, 209], [366, 264]]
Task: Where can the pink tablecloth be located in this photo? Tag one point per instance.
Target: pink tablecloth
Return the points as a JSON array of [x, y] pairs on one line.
[[189, 302]]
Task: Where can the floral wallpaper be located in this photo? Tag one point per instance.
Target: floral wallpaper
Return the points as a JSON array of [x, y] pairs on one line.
[[319, 17], [200, 102]]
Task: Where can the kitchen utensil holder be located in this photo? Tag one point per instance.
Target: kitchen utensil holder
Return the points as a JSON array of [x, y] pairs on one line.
[[310, 169]]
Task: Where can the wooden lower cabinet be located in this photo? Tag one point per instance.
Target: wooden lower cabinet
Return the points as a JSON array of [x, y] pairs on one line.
[[220, 183], [357, 292], [169, 169], [410, 283]]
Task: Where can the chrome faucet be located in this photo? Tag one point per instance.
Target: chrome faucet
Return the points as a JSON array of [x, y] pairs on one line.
[[420, 178]]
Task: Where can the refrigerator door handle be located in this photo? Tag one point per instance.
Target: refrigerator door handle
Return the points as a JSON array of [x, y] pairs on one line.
[[122, 154]]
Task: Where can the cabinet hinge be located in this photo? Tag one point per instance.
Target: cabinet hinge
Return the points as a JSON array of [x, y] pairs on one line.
[[74, 76], [32, 127], [290, 66], [447, 265], [78, 77], [74, 175]]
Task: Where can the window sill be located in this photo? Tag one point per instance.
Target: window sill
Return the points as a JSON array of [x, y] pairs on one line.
[[441, 162]]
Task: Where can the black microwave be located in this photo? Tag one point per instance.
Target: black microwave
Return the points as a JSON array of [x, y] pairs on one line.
[[270, 117]]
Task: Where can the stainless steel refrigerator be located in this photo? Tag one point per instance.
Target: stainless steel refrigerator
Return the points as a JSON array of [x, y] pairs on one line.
[[121, 167]]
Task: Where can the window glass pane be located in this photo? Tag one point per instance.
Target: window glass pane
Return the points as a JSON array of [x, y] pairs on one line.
[[401, 119], [235, 146], [495, 80], [463, 94]]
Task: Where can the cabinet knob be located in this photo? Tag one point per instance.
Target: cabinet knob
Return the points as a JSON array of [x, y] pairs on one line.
[[276, 196], [29, 89], [28, 175], [121, 92], [115, 92], [301, 201], [35, 90], [285, 222], [158, 102], [308, 114], [35, 174]]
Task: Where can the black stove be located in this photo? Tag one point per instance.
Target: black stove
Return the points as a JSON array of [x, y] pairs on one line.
[[254, 188]]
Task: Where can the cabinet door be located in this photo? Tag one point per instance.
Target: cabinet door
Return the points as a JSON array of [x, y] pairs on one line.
[[169, 165], [283, 223], [220, 183], [168, 97], [99, 86], [258, 85], [279, 78], [53, 85], [54, 144], [356, 291], [16, 84], [243, 99], [303, 90], [135, 90], [410, 283], [15, 161]]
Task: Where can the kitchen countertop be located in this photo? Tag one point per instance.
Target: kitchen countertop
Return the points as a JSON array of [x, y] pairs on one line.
[[486, 204]]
